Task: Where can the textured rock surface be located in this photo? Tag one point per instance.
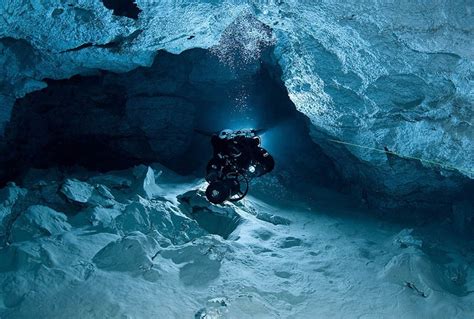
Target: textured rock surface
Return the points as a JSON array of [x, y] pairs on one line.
[[38, 221], [373, 74], [77, 191], [386, 76]]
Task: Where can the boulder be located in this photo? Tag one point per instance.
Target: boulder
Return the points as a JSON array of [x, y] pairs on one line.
[[419, 273], [85, 194], [38, 221], [131, 253], [9, 195], [77, 191], [158, 217]]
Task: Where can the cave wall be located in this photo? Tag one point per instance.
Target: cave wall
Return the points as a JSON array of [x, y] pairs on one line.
[[372, 74], [382, 76]]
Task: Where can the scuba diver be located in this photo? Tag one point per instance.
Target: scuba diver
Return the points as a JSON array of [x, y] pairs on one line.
[[238, 157]]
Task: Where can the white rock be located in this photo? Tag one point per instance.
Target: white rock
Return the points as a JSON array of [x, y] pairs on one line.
[[104, 191], [145, 185], [101, 217], [85, 194], [39, 221], [164, 218], [77, 191], [130, 253], [419, 273]]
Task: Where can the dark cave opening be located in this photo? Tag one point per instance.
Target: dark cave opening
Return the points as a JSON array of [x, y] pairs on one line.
[[110, 121], [124, 8]]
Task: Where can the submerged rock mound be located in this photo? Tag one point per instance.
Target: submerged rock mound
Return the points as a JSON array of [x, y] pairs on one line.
[[144, 242]]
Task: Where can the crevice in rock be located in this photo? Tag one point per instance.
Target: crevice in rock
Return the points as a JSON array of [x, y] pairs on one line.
[[115, 44], [124, 8]]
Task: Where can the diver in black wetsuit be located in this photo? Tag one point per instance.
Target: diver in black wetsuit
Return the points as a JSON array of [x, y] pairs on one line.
[[238, 157]]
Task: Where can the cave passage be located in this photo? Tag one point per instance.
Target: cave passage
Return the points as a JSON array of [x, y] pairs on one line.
[[110, 121]]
